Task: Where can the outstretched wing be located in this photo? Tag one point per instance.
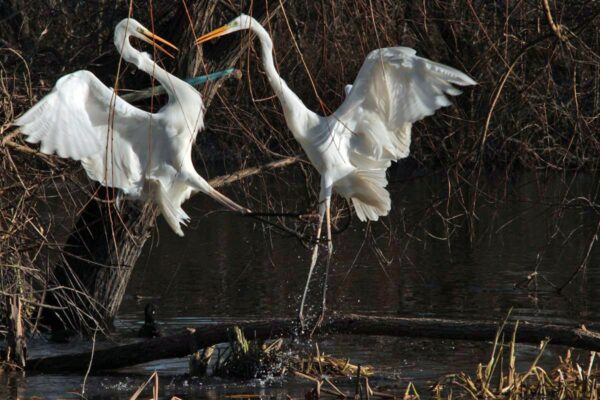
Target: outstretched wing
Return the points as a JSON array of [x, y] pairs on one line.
[[82, 119], [395, 88]]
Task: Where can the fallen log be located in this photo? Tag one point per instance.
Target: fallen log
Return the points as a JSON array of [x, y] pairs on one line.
[[182, 344]]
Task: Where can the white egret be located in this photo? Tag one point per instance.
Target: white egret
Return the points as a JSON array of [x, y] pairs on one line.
[[352, 148], [146, 155]]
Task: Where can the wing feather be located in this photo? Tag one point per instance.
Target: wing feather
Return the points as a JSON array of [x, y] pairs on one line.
[[394, 89], [82, 119]]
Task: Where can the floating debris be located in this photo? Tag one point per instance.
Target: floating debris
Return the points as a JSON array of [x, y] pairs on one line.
[[244, 359], [240, 359], [330, 366]]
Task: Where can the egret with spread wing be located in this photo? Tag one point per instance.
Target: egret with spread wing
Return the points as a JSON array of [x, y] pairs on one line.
[[146, 155], [353, 147]]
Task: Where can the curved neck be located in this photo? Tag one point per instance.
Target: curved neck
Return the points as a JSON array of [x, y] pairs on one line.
[[144, 63], [290, 102]]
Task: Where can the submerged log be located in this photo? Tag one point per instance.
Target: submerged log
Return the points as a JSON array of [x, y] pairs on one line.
[[182, 344]]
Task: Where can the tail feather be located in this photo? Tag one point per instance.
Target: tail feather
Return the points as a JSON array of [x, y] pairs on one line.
[[366, 212], [173, 214], [367, 190]]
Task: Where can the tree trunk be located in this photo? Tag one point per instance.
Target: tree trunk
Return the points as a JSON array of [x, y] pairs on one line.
[[16, 352], [92, 293], [90, 281], [186, 343]]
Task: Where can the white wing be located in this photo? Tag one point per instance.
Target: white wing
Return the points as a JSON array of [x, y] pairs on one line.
[[82, 119], [395, 88]]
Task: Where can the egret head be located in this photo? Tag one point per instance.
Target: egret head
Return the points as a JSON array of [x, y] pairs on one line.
[[243, 21], [130, 27]]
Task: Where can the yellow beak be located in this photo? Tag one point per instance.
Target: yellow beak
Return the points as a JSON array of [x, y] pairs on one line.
[[152, 39], [214, 34]]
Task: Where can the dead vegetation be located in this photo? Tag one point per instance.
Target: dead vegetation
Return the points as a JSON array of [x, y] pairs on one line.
[[240, 359], [258, 359], [500, 377]]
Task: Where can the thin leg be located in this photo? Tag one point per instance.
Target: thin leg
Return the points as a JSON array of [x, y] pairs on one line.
[[313, 262], [329, 253], [197, 182], [227, 202]]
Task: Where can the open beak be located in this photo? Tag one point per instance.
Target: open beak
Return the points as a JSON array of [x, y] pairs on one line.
[[214, 34], [151, 38]]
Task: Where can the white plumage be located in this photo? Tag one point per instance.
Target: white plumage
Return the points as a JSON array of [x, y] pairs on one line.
[[146, 155], [353, 147], [394, 89]]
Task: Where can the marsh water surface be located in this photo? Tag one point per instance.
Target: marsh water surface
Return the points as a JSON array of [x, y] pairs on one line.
[[426, 259]]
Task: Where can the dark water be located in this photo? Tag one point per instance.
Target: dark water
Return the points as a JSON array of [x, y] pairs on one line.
[[427, 259]]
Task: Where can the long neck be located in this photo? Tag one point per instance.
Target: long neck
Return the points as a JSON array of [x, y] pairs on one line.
[[144, 63], [291, 103]]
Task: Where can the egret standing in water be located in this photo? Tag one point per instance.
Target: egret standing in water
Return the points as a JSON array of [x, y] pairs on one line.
[[353, 147], [146, 155]]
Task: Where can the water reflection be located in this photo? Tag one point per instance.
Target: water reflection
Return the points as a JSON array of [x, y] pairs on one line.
[[229, 267]]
